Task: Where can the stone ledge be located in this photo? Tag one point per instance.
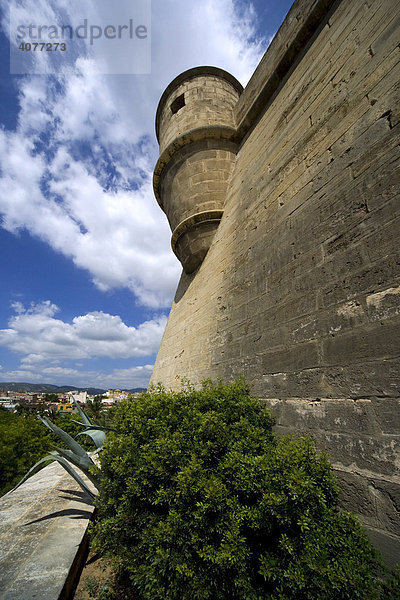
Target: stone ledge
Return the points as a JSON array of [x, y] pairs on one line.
[[43, 536], [287, 47]]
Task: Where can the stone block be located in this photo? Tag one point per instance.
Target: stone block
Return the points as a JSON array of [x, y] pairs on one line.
[[387, 414], [329, 415], [387, 544]]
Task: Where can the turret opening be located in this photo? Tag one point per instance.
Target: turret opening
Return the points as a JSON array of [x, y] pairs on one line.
[[178, 103]]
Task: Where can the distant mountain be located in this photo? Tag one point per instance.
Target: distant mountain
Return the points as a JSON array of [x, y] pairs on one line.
[[49, 388], [19, 386]]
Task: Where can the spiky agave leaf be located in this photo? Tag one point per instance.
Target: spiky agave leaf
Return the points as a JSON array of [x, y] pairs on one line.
[[82, 464], [64, 463], [80, 423], [99, 427], [97, 436], [86, 420], [65, 437]]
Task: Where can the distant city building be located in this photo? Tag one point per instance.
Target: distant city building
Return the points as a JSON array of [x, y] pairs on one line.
[[66, 407], [79, 396], [5, 402], [114, 396]]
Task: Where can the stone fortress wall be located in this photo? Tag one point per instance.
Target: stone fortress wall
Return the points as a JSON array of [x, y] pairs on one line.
[[283, 200]]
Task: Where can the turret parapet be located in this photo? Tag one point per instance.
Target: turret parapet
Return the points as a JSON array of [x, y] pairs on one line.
[[196, 131]]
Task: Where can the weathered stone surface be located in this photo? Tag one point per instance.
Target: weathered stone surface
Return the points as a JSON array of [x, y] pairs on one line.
[[389, 545], [42, 536], [365, 457], [299, 289]]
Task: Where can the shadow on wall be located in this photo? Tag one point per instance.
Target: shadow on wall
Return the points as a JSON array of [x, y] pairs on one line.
[[183, 285], [73, 513]]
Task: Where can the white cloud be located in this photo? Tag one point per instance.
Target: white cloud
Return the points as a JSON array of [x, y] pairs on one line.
[[119, 236], [128, 378], [40, 337], [118, 378], [77, 171]]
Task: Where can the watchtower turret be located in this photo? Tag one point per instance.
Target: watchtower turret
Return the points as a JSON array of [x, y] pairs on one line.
[[196, 132]]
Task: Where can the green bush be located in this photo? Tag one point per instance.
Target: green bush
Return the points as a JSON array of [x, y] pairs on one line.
[[23, 441], [202, 501]]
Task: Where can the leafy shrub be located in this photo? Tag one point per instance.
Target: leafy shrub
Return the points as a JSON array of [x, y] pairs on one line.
[[390, 588], [201, 501], [23, 441]]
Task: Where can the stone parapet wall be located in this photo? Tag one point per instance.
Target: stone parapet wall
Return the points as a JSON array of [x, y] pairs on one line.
[[43, 537], [291, 40]]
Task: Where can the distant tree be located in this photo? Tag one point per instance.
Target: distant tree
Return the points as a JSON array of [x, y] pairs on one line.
[[23, 410], [94, 408], [41, 409], [50, 398], [23, 441], [68, 423]]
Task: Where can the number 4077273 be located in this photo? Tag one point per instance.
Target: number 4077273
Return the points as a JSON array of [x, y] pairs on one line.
[[42, 46]]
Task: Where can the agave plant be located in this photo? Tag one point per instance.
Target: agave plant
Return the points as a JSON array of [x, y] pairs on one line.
[[75, 454], [95, 432]]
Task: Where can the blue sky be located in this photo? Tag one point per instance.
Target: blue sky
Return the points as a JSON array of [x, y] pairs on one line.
[[87, 273]]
